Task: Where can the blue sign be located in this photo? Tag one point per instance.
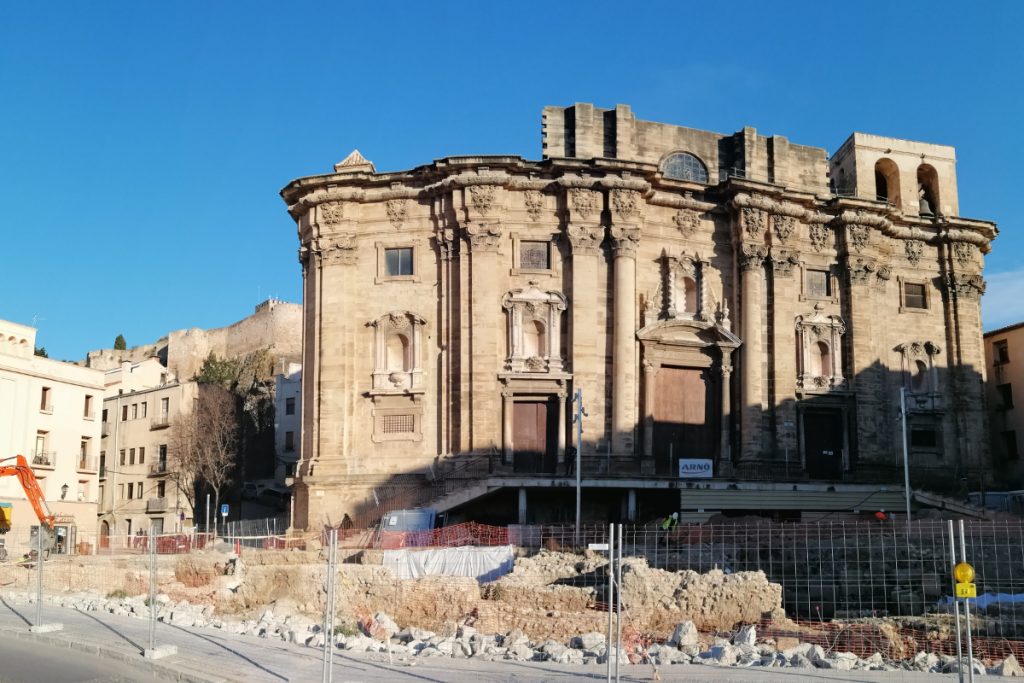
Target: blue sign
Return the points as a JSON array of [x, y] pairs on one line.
[[224, 510]]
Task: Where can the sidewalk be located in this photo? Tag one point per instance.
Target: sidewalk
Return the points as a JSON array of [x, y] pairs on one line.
[[211, 656]]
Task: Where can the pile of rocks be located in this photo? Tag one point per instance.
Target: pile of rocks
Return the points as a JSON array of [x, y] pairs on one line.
[[381, 634]]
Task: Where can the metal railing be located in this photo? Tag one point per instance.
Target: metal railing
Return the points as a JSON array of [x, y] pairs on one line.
[[86, 463], [46, 459], [157, 504], [161, 422], [157, 468]]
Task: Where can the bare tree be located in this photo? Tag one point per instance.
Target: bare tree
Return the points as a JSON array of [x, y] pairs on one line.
[[204, 443]]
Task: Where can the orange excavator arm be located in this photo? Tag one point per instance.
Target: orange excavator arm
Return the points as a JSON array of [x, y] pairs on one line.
[[28, 480]]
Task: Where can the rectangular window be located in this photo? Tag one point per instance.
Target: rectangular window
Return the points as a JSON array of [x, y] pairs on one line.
[[83, 490], [120, 491], [819, 284], [138, 490], [1001, 351], [1005, 396], [103, 463], [135, 411], [534, 255], [142, 455], [914, 295], [289, 441], [87, 412], [131, 491], [144, 410], [104, 414], [124, 412], [163, 453], [164, 407], [924, 437], [102, 490], [123, 456], [161, 488], [46, 400], [398, 261], [1010, 444], [289, 406], [399, 424], [131, 456]]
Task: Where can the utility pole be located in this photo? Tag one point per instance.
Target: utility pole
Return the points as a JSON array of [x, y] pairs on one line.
[[581, 412]]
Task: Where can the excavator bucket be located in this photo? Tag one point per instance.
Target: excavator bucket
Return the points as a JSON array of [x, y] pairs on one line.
[[5, 517]]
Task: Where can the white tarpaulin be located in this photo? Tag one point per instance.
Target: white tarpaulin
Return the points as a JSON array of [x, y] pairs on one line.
[[481, 563]]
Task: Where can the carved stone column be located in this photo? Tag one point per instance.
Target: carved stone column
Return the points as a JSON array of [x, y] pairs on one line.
[[725, 448], [483, 232], [625, 241], [585, 235], [751, 263], [506, 424], [650, 377]]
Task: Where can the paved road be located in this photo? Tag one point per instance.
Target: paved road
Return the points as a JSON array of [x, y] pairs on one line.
[[207, 655], [24, 661]]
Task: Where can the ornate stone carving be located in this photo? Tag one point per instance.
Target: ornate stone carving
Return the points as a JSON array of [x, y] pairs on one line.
[[968, 286], [534, 201], [884, 274], [484, 236], [331, 213], [337, 249], [396, 209], [857, 236], [753, 221], [819, 234], [783, 262], [534, 329], [783, 226], [752, 256], [819, 351], [584, 203], [402, 372], [861, 271], [625, 203], [585, 239], [482, 197], [687, 220], [913, 249], [963, 252], [625, 240]]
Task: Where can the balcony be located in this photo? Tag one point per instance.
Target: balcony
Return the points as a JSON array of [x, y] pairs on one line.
[[158, 468], [161, 422], [105, 430], [44, 459], [157, 504], [87, 464]]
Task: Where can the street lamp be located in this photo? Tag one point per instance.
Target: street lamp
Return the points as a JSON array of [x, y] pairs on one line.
[[64, 491]]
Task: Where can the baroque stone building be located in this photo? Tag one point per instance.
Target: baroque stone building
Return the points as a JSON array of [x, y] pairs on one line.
[[736, 306]]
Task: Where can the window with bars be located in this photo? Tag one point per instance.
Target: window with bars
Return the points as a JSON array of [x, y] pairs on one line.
[[683, 166], [914, 295], [534, 255], [399, 424]]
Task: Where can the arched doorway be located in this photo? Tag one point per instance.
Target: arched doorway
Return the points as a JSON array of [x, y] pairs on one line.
[[104, 534]]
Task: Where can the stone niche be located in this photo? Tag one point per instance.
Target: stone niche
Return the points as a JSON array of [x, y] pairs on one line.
[[819, 351], [534, 330], [398, 351]]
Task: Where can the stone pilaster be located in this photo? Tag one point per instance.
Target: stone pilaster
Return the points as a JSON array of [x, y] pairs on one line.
[[751, 257], [625, 239]]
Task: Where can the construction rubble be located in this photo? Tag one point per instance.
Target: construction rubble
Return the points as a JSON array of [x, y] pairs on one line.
[[551, 607]]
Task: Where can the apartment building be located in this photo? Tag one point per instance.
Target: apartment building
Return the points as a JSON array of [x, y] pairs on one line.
[[287, 422], [48, 413], [138, 495], [1004, 362]]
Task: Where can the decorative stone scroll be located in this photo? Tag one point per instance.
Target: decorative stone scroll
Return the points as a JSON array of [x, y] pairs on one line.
[[783, 261], [753, 221], [624, 240], [913, 249], [534, 201], [534, 329], [819, 234], [968, 286], [396, 210], [819, 338], [584, 204], [331, 213], [625, 204], [687, 221], [585, 239], [783, 226], [752, 256], [963, 253], [398, 349], [857, 236], [484, 236], [336, 249], [481, 197]]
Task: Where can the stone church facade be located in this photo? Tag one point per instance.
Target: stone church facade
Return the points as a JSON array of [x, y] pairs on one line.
[[738, 299]]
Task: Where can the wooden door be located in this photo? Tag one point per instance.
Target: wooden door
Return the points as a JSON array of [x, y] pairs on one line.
[[684, 425], [823, 443], [532, 437]]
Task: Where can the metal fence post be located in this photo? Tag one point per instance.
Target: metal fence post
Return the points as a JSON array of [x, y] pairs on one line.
[[967, 611], [956, 603], [39, 576], [610, 598], [328, 660], [618, 604], [152, 593]]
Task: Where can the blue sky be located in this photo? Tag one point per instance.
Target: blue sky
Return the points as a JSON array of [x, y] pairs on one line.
[[143, 144]]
